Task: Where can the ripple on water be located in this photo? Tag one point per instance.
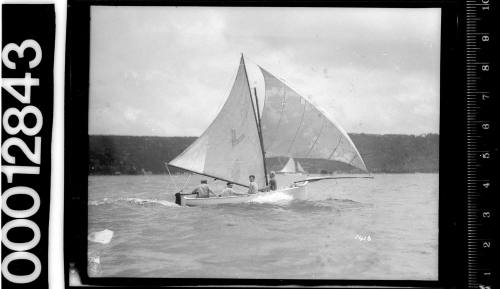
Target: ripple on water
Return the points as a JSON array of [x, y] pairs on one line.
[[276, 238]]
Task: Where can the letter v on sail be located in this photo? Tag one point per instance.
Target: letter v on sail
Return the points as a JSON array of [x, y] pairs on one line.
[[239, 139], [235, 140]]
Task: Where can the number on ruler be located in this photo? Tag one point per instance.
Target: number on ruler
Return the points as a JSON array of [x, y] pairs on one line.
[[486, 5]]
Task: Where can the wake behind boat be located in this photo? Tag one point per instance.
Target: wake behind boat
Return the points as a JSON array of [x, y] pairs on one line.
[[239, 139]]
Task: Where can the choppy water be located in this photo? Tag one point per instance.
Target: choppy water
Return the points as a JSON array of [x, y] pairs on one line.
[[381, 228]]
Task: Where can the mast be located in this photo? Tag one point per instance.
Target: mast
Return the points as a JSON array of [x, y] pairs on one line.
[[257, 120], [260, 134]]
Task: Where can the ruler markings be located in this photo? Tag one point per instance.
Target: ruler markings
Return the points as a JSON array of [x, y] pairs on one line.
[[474, 43]]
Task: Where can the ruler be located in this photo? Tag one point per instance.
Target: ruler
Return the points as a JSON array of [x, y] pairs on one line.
[[481, 149]]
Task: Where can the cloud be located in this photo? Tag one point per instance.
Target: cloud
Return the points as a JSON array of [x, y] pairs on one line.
[[168, 70]]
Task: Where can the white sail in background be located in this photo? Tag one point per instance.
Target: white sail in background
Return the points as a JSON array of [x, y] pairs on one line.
[[230, 147], [292, 126], [300, 169], [289, 167]]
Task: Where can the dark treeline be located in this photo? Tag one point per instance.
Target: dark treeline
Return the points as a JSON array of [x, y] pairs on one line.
[[148, 155]]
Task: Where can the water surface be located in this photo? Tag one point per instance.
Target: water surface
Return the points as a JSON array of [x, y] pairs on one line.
[[381, 228]]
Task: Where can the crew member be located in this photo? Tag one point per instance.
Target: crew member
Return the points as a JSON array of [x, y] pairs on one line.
[[273, 184], [203, 190], [228, 191], [253, 188]]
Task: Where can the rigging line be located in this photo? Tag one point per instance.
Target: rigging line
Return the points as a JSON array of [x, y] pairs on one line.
[[336, 147], [187, 181], [350, 163], [211, 176], [358, 156], [298, 129], [281, 163], [333, 178], [172, 179], [317, 138]]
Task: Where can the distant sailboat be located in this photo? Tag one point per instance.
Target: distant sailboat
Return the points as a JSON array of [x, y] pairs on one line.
[[300, 169], [239, 139], [292, 167]]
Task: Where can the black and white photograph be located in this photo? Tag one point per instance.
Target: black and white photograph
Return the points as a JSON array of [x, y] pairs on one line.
[[264, 143], [345, 144]]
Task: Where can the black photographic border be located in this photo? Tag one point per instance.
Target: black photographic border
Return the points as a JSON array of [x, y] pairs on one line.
[[452, 161]]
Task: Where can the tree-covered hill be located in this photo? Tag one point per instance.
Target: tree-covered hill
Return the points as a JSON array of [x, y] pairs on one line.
[[146, 154]]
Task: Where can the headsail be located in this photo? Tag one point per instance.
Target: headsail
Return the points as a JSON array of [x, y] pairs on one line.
[[230, 148], [300, 169], [292, 126]]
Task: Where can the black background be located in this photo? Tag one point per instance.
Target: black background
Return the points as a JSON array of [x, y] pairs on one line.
[[37, 22], [451, 164]]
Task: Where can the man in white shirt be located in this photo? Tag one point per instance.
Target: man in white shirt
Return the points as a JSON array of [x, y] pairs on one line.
[[228, 191], [203, 190], [253, 188]]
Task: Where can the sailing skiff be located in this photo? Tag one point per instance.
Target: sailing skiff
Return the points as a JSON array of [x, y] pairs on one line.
[[296, 191], [237, 142]]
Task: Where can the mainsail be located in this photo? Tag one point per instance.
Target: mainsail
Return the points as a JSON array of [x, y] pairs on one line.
[[289, 167], [292, 166], [230, 148], [292, 126]]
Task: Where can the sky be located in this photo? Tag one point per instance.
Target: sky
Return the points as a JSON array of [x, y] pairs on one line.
[[166, 71]]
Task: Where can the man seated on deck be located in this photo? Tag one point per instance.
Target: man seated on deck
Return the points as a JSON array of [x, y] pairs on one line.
[[203, 190], [228, 191], [253, 188]]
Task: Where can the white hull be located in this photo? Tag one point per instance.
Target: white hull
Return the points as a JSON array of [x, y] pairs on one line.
[[298, 191]]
